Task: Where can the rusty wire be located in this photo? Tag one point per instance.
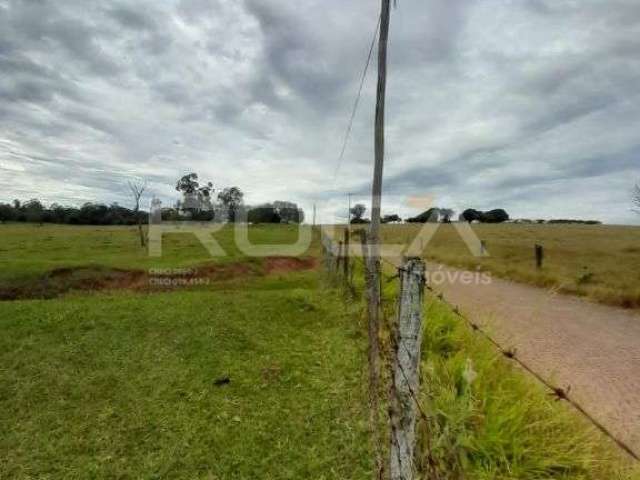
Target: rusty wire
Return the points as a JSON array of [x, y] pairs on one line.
[[511, 354], [557, 392]]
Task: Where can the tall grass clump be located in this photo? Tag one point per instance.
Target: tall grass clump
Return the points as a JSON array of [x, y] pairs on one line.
[[488, 420]]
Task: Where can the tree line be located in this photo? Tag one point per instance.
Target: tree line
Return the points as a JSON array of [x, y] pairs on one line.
[[197, 203], [34, 211], [434, 215]]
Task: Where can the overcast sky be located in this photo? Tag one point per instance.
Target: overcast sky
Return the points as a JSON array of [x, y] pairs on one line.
[[528, 105]]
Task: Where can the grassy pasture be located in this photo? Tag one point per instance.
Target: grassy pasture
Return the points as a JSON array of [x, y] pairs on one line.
[[596, 261], [32, 256], [28, 250], [123, 385]]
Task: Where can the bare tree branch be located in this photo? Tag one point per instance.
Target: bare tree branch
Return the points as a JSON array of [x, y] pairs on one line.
[[137, 190]]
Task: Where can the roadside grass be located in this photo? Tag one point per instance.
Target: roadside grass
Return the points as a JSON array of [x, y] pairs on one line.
[[488, 420], [123, 385], [600, 262]]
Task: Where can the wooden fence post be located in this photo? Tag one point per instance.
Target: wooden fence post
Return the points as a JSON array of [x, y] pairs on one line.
[[345, 260], [335, 257], [325, 252], [373, 309], [330, 262], [364, 244], [340, 257], [483, 247], [373, 355], [539, 249], [406, 369]]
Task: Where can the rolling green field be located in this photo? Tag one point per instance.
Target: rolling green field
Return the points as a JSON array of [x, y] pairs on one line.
[[599, 262], [125, 383], [29, 250]]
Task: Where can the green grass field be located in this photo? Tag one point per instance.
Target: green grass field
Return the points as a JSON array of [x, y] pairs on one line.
[[600, 262], [28, 250], [122, 384]]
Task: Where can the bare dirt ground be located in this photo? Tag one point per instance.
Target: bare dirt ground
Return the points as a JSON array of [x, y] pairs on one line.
[[64, 280], [594, 349]]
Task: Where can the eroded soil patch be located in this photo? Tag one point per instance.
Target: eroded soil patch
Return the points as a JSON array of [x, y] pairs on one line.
[[288, 264], [90, 278]]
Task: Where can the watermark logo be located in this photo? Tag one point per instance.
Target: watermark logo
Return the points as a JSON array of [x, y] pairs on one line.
[[441, 275], [393, 245], [204, 231], [175, 278]]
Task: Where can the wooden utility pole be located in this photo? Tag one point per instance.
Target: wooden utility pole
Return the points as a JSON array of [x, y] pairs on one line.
[[373, 260], [314, 214], [376, 190]]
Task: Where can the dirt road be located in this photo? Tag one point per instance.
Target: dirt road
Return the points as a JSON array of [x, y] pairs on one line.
[[593, 348]]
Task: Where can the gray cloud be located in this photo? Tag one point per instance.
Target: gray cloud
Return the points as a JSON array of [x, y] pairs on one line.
[[130, 17], [490, 104]]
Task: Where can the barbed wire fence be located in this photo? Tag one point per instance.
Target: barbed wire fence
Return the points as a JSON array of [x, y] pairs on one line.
[[401, 354]]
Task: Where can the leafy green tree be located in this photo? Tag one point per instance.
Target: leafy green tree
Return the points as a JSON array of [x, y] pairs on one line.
[[289, 212], [266, 213], [188, 184], [394, 218], [231, 198], [429, 216], [196, 198], [357, 212], [470, 215], [7, 213], [494, 216], [447, 214], [33, 211]]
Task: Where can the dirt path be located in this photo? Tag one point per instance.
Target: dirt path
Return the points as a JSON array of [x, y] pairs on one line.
[[593, 348]]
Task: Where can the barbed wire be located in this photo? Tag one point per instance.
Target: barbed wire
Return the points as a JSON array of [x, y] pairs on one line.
[[558, 392], [510, 354]]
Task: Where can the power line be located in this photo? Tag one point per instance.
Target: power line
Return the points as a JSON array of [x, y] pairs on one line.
[[347, 134]]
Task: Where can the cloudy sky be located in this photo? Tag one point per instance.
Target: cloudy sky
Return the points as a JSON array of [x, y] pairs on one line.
[[528, 105]]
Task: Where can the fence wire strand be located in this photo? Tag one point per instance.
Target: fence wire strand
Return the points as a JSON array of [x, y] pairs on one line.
[[558, 392], [510, 354]]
